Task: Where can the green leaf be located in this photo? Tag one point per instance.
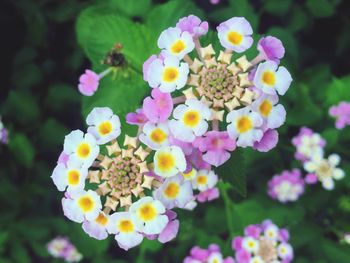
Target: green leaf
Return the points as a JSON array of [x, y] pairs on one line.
[[132, 7], [233, 172], [331, 135], [338, 90], [22, 149], [335, 252], [98, 31], [321, 8], [61, 96], [19, 253], [166, 15]]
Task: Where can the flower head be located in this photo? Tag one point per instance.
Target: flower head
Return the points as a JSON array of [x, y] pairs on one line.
[[169, 161], [342, 114], [205, 180], [193, 25], [61, 247], [88, 83], [325, 170], [210, 255], [155, 135], [263, 243], [286, 187], [190, 120], [272, 79], [235, 34], [176, 42], [168, 74], [271, 48], [103, 124], [244, 126]]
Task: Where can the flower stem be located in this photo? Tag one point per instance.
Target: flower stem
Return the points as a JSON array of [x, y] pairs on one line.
[[228, 207], [178, 100]]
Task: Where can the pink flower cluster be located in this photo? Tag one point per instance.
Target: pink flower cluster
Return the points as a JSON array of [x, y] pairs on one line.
[[341, 113], [4, 134], [212, 254], [61, 247], [265, 243], [286, 187]]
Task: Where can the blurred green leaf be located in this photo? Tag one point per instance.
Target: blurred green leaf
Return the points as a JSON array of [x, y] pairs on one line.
[[19, 254], [22, 148], [133, 7], [277, 7], [56, 130], [331, 135], [60, 96], [233, 172], [338, 90], [321, 8]]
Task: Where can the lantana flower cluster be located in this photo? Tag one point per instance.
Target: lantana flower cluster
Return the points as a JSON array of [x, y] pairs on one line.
[[3, 133], [341, 113], [210, 255], [287, 187], [203, 104], [263, 243], [310, 151], [61, 247]]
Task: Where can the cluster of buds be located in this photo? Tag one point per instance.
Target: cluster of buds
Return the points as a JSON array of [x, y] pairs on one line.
[[3, 133], [310, 152], [224, 101], [263, 243], [61, 247]]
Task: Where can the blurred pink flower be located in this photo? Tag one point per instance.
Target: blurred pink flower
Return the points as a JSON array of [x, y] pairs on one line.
[[88, 83], [193, 25], [271, 48], [267, 142], [158, 107], [208, 195], [342, 114]]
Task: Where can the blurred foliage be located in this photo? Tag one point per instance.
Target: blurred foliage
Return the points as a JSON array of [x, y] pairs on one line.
[[44, 56]]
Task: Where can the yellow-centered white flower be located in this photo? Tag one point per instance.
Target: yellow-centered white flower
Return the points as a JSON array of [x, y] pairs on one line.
[[82, 205], [272, 79], [97, 228], [81, 147], [204, 180], [168, 74], [104, 125], [127, 229], [169, 161], [175, 42], [190, 120], [250, 244], [150, 213], [71, 177], [155, 135], [244, 126]]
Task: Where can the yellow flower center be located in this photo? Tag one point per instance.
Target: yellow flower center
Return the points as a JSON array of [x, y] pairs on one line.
[[202, 179], [251, 244], [265, 108], [244, 124], [86, 203], [73, 177], [83, 150], [147, 212], [172, 190], [126, 226], [269, 78], [191, 118], [105, 128], [178, 47], [190, 174], [158, 135], [235, 38], [166, 161], [101, 219], [170, 74]]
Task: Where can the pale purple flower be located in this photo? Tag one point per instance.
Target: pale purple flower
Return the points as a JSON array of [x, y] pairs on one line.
[[271, 48], [88, 83], [342, 114], [136, 118], [216, 146], [148, 62], [267, 142], [61, 247], [286, 187], [208, 195], [3, 133], [215, 2], [308, 144], [197, 161], [193, 25], [171, 229], [253, 231], [243, 256], [158, 108], [237, 243], [311, 178], [63, 158]]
